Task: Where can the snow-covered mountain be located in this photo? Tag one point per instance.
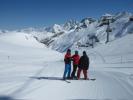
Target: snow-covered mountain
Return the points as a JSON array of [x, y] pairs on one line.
[[75, 34], [120, 25], [70, 25], [54, 29]]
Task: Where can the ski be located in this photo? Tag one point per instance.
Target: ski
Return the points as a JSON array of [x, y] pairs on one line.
[[51, 78], [66, 81], [61, 79], [92, 79]]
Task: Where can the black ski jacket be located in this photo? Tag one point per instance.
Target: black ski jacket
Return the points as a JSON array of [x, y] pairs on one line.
[[84, 62]]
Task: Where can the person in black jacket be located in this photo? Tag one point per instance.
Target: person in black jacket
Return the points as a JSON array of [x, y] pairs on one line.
[[83, 65]]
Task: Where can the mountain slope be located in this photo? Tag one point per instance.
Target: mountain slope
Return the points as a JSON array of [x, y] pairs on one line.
[[75, 34], [120, 26]]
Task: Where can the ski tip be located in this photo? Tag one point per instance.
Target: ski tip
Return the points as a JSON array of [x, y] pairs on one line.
[[93, 79]]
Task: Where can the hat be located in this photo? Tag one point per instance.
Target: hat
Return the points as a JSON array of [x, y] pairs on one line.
[[76, 52], [84, 52], [68, 50]]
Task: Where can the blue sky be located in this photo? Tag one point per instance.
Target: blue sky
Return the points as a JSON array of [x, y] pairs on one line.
[[16, 14]]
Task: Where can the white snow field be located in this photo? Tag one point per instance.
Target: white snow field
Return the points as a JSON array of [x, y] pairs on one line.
[[25, 64]]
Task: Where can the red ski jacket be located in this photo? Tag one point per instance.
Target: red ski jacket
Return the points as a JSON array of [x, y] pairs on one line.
[[67, 58], [75, 59]]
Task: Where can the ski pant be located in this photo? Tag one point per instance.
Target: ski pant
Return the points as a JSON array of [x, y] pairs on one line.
[[67, 71], [74, 70], [84, 72]]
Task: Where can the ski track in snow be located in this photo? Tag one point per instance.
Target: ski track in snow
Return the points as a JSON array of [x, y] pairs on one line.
[[108, 84]]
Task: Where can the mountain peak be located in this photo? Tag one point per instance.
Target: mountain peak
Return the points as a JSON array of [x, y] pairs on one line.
[[107, 15], [71, 24]]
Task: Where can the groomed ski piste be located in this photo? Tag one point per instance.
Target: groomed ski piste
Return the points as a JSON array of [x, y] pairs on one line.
[[25, 65]]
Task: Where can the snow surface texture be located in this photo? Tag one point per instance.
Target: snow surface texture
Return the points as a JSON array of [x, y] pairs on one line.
[[25, 67]]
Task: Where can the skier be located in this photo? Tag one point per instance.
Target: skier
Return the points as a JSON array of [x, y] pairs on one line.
[[83, 65], [67, 60], [75, 59]]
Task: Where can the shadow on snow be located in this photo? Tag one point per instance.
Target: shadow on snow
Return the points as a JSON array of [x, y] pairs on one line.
[[59, 78], [48, 78], [8, 98]]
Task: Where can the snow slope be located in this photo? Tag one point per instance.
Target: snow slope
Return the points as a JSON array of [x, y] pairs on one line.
[[21, 39], [25, 65]]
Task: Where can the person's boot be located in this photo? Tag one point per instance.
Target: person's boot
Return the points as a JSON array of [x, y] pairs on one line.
[[64, 78], [75, 77], [68, 77]]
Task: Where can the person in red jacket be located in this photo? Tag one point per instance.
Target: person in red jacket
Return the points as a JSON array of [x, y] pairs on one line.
[[75, 59], [67, 60]]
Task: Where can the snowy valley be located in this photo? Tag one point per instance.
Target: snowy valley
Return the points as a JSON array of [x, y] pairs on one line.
[[29, 56]]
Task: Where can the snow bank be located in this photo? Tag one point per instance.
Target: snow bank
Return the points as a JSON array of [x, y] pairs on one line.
[[22, 39]]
